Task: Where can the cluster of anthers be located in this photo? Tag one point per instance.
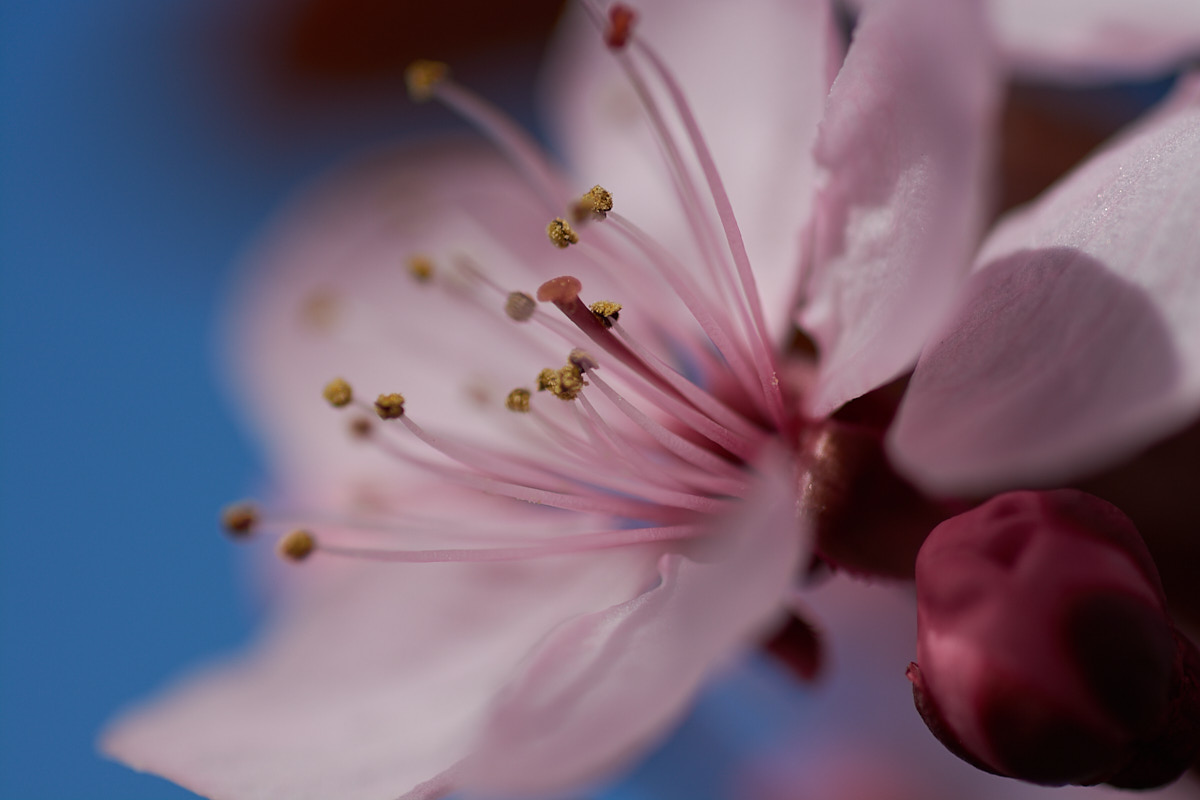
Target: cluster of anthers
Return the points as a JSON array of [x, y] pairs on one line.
[[687, 431]]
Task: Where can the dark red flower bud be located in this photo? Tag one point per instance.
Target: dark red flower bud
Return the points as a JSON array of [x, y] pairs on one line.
[[1044, 648]]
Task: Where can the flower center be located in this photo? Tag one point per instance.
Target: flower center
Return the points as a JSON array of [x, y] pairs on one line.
[[651, 445]]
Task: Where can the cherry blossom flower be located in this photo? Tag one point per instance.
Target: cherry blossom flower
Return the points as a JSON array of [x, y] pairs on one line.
[[611, 460]]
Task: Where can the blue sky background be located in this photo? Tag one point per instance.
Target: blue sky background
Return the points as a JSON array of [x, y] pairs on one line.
[[131, 177]]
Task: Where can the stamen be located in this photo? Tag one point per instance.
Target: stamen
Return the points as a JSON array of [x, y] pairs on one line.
[[389, 406], [421, 268], [582, 359], [296, 546], [240, 519], [560, 233], [606, 311], [430, 79], [519, 306], [671, 441], [565, 383], [564, 293], [338, 393], [361, 427], [575, 543], [423, 78], [518, 401], [733, 233], [595, 204], [620, 26]]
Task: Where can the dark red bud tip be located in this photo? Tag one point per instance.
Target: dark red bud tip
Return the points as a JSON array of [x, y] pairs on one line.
[[797, 646], [620, 26], [1045, 651], [564, 289]]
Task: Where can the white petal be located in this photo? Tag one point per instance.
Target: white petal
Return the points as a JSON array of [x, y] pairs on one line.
[[1077, 341], [375, 681], [1094, 40], [604, 685], [756, 75], [902, 146]]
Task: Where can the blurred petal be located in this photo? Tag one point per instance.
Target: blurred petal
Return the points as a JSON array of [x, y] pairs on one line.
[[1096, 39], [330, 295], [902, 147], [756, 75], [605, 685], [1077, 341], [375, 681], [382, 678]]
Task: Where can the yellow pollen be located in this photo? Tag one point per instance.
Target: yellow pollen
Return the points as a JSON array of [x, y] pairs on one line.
[[560, 233], [389, 406], [519, 306], [338, 393], [606, 311], [518, 400], [421, 268], [296, 546], [565, 383], [423, 77], [596, 204], [239, 519]]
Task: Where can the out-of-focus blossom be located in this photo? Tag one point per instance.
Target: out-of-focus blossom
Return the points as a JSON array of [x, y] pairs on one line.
[[1044, 648], [1074, 344], [1096, 40], [599, 557]]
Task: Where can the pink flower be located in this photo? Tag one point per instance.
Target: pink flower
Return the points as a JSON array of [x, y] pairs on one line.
[[597, 559]]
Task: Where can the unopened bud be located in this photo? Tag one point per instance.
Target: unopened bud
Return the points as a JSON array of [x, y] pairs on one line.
[[1044, 649]]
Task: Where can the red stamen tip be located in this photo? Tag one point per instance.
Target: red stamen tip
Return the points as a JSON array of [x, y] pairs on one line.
[[620, 26], [564, 289]]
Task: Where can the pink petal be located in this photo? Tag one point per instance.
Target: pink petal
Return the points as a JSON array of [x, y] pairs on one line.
[[1096, 39], [430, 678], [375, 681], [1077, 341], [604, 685], [902, 148], [756, 75], [329, 295]]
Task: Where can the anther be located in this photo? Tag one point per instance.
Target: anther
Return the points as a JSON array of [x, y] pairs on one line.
[[620, 26], [547, 380], [421, 268], [582, 359], [360, 427], [519, 306], [594, 205], [338, 393], [568, 382], [560, 233], [423, 77], [606, 311], [389, 406], [296, 546], [518, 401], [239, 519]]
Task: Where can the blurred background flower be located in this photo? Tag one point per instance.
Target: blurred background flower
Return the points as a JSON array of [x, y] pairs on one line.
[[143, 145]]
